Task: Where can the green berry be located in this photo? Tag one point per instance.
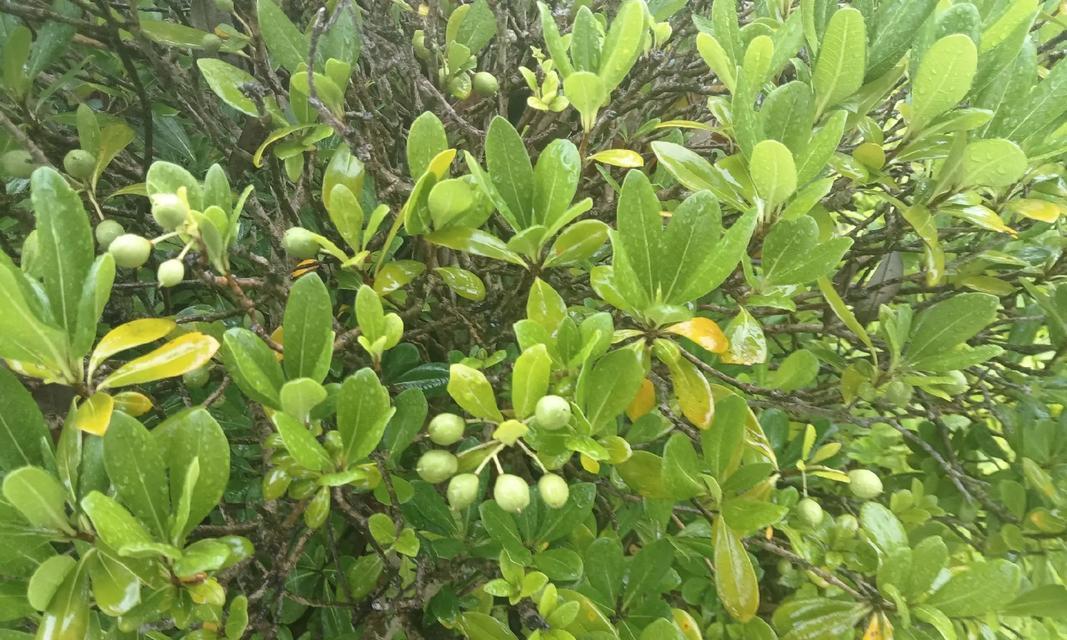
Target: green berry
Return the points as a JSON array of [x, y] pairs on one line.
[[446, 429], [511, 493], [170, 272], [210, 43], [436, 466], [462, 490], [809, 512], [169, 211], [552, 412], [130, 250], [17, 164], [106, 232], [485, 84], [300, 243], [864, 484], [79, 164], [197, 377], [554, 490], [846, 525]]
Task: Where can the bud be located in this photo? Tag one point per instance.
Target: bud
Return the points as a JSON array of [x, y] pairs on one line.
[[211, 43], [485, 84]]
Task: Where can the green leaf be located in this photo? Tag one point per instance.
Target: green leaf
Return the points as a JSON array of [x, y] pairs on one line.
[[135, 465], [288, 47], [477, 28], [639, 229], [717, 59], [529, 380], [226, 81], [192, 436], [95, 293], [884, 528], [301, 445], [545, 306], [253, 366], [472, 391], [475, 241], [362, 413], [949, 323], [811, 162], [839, 69], [481, 626], [797, 370], [723, 443], [1048, 601], [792, 253], [64, 244], [510, 170], [406, 422], [622, 44], [39, 497], [501, 527], [735, 579], [47, 579], [557, 49], [308, 329], [587, 94], [587, 41], [787, 115], [113, 523], [646, 571], [773, 172], [67, 616], [577, 243], [996, 162], [464, 283], [681, 473], [608, 386], [894, 28], [980, 588], [748, 514], [24, 437], [426, 139], [555, 180], [944, 79], [727, 29], [116, 588]]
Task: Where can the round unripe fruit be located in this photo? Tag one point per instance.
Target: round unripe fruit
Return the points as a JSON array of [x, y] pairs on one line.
[[511, 493], [169, 211], [106, 232], [809, 512], [446, 429], [436, 466], [211, 43], [847, 525], [462, 490], [170, 272], [864, 484], [300, 243], [485, 84], [130, 250], [79, 164], [554, 490], [197, 377], [552, 412], [418, 43], [460, 86], [17, 164]]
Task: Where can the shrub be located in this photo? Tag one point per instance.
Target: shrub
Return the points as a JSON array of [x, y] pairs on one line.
[[585, 320]]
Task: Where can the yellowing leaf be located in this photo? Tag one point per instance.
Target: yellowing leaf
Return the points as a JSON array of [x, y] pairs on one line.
[[590, 465], [619, 158], [747, 344], [1040, 210], [703, 331], [127, 336], [684, 124], [176, 357], [439, 165], [94, 415], [34, 370], [133, 403], [643, 402]]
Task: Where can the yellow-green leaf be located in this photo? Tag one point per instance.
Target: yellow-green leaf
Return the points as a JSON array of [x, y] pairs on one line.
[[735, 579], [619, 158], [127, 336], [176, 357], [703, 331]]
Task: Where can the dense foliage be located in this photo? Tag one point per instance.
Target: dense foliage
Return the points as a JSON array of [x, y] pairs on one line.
[[638, 319]]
